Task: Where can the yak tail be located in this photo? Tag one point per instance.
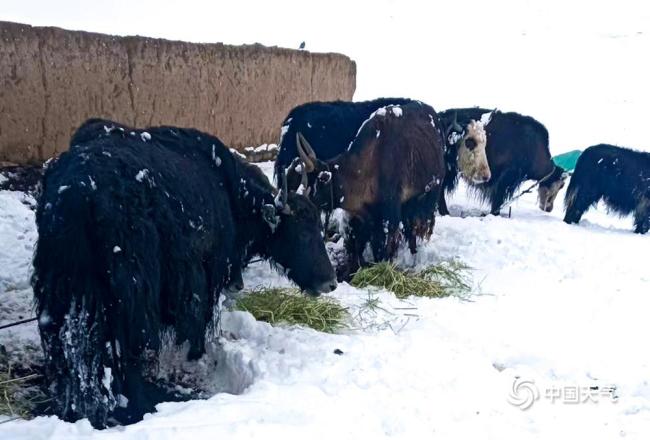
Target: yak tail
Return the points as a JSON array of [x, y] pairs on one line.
[[84, 304], [570, 197], [69, 308]]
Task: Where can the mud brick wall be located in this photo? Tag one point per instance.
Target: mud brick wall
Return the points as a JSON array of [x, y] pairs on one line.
[[51, 80]]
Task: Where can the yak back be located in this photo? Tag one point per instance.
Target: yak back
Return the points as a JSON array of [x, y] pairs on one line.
[[238, 176], [328, 126], [398, 153]]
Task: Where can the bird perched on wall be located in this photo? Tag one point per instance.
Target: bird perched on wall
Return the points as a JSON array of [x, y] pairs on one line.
[[302, 45]]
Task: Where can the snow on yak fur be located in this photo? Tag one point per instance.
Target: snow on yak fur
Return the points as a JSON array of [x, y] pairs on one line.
[[618, 176], [139, 231], [329, 126], [391, 173], [517, 150]]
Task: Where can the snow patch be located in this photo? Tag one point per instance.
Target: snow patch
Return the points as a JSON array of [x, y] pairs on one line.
[[122, 401], [485, 118], [142, 174], [283, 130], [107, 379], [215, 158], [454, 138], [237, 153]]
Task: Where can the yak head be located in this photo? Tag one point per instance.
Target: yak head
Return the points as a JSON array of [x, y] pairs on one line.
[[313, 177], [549, 188], [296, 242], [470, 142]]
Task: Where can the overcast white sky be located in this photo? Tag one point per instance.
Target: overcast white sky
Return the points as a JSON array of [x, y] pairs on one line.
[[570, 64]]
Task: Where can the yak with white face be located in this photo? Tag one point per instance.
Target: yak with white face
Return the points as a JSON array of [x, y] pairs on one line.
[[472, 159], [516, 148]]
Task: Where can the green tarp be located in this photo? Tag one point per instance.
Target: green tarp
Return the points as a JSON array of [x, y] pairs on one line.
[[567, 160]]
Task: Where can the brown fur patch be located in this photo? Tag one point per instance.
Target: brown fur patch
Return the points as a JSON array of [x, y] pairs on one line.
[[473, 164]]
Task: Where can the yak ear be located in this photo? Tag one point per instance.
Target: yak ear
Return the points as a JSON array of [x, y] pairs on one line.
[[270, 216]]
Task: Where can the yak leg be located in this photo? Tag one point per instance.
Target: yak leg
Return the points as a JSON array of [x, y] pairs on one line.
[[418, 217], [410, 224], [642, 216], [578, 202], [385, 231], [442, 204], [137, 401], [194, 311], [410, 233], [498, 193], [358, 235]]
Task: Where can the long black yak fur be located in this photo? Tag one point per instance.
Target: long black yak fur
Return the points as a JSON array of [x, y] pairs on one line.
[[330, 127], [517, 150], [618, 176], [139, 231]]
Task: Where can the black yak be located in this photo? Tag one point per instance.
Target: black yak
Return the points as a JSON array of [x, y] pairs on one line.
[[329, 126], [139, 231], [517, 150], [618, 176], [392, 172]]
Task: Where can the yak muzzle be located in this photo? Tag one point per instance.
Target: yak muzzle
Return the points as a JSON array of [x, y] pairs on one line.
[[326, 287]]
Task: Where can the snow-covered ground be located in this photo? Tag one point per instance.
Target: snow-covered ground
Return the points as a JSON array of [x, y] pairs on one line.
[[562, 308]]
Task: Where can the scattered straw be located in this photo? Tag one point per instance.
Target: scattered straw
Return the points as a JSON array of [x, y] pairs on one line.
[[19, 395], [289, 306], [447, 278], [452, 276]]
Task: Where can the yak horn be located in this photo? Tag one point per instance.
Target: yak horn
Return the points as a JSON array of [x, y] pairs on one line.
[[308, 149], [456, 126], [284, 194], [305, 152]]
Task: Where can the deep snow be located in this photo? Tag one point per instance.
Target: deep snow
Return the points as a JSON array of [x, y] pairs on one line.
[[563, 306]]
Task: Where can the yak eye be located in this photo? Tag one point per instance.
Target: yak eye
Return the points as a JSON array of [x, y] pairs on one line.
[[470, 143]]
